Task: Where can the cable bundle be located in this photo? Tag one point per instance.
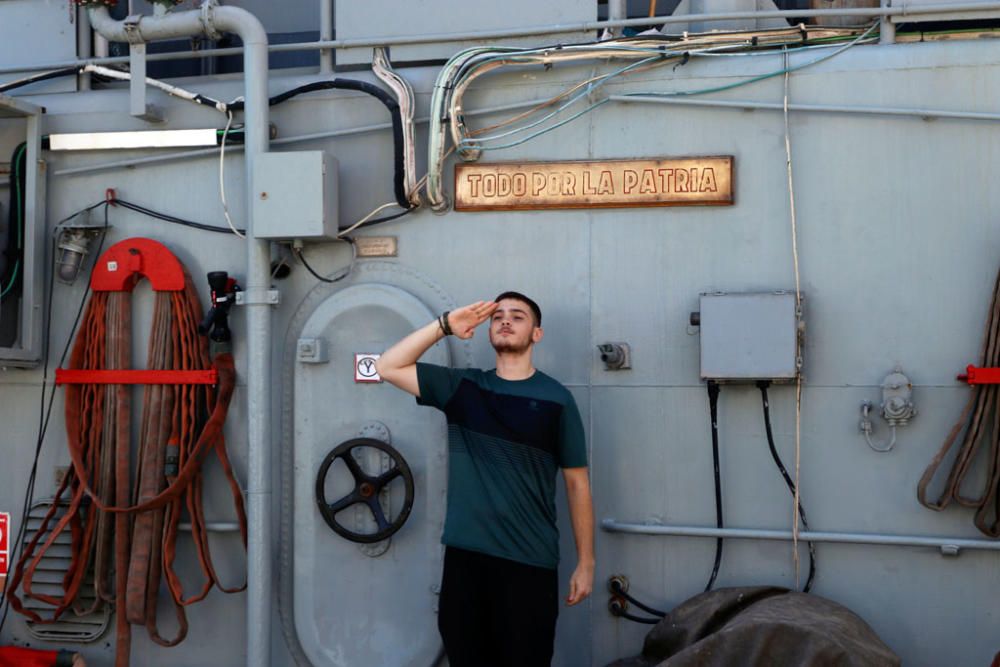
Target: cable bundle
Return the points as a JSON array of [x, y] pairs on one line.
[[979, 418], [645, 52]]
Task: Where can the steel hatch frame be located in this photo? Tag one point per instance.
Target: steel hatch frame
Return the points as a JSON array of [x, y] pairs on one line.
[[26, 351]]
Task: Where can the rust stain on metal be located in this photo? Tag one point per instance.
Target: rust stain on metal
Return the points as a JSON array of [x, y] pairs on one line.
[[686, 181]]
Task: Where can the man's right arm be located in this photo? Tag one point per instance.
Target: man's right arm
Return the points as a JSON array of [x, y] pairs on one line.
[[398, 364]]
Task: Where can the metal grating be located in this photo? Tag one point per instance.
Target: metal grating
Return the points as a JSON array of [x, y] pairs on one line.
[[48, 580]]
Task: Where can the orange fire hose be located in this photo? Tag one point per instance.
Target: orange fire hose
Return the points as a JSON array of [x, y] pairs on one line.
[[117, 526]]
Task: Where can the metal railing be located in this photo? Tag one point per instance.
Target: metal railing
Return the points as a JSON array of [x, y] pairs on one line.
[[885, 14], [948, 546]]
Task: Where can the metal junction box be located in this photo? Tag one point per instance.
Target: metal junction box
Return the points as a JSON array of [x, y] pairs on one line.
[[747, 337], [295, 196]]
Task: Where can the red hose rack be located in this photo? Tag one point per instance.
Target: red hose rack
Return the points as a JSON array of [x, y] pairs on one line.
[[119, 269]]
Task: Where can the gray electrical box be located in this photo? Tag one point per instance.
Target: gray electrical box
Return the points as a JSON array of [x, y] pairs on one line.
[[295, 196], [747, 337]]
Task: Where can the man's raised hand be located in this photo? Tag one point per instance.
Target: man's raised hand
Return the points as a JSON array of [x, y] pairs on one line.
[[463, 321]]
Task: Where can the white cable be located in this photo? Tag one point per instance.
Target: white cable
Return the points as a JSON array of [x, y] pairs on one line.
[[154, 83], [798, 309], [222, 175], [404, 96], [366, 218]]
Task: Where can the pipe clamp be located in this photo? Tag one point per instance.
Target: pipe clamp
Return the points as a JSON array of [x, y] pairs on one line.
[[208, 20], [133, 31], [271, 297]]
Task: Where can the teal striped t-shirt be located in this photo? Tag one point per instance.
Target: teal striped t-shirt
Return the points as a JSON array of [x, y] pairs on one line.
[[506, 441]]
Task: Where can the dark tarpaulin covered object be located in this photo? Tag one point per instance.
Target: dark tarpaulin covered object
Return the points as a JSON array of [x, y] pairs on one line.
[[761, 626]]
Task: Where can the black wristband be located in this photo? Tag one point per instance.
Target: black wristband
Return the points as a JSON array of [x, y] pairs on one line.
[[445, 326]]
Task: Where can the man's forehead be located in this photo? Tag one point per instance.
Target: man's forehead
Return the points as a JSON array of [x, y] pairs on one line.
[[513, 305]]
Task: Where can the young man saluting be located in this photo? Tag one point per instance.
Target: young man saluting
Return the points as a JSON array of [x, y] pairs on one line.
[[509, 430]]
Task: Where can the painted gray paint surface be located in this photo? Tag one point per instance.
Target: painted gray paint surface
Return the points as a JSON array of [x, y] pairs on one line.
[[35, 32], [389, 18], [897, 248]]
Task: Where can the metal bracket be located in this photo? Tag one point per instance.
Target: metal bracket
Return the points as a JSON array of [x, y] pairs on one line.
[[271, 297], [312, 351], [138, 106]]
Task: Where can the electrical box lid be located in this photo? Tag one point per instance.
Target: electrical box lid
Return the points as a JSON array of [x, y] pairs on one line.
[[295, 196], [749, 336]]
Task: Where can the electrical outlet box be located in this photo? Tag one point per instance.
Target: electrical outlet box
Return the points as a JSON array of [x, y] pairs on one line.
[[750, 336], [295, 196]]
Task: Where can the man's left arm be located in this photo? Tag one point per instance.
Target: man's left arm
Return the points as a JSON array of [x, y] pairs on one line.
[[581, 512]]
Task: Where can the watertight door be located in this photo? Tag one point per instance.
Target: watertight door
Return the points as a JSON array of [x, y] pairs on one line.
[[357, 604]]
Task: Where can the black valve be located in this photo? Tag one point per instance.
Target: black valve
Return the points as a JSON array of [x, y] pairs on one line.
[[216, 322], [618, 603], [617, 606], [618, 584], [616, 356]]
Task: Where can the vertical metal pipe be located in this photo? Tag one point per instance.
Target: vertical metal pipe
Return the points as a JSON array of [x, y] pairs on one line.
[[259, 563], [84, 44], [258, 367], [325, 34], [886, 28], [101, 46], [617, 10], [255, 72]]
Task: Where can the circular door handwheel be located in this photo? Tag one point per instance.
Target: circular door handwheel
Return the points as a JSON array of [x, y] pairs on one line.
[[367, 489]]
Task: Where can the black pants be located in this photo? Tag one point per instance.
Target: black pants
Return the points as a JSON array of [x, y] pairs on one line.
[[495, 612]]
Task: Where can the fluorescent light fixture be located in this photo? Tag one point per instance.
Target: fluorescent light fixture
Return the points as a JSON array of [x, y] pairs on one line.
[[98, 141]]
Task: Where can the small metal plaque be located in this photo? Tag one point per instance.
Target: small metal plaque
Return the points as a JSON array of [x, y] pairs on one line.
[[376, 246], [364, 367], [690, 181]]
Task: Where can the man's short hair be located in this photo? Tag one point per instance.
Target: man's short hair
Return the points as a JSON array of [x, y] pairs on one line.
[[520, 297]]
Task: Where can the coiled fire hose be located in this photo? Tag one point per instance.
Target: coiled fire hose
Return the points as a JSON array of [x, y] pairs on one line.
[[979, 418], [129, 546]]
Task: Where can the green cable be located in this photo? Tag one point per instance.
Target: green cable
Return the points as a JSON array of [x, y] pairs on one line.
[[760, 77], [19, 223], [590, 88]]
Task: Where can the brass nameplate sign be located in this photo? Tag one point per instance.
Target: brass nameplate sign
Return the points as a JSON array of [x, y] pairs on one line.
[[693, 181], [376, 246]]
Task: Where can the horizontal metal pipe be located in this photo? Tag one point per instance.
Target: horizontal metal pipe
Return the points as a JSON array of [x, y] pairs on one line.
[[204, 152], [947, 544], [215, 526], [553, 29], [926, 114]]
